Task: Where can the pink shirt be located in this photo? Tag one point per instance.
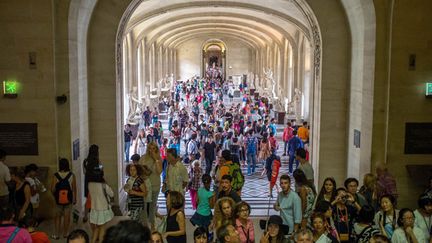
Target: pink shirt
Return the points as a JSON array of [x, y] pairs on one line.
[[244, 232], [22, 236]]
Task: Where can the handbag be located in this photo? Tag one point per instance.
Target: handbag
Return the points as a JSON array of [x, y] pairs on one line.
[[109, 199], [161, 227]]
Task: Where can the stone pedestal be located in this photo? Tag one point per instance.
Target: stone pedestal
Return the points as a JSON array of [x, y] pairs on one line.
[[280, 117]]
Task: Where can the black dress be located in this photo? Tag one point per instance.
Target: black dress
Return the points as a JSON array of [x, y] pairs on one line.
[[172, 225]]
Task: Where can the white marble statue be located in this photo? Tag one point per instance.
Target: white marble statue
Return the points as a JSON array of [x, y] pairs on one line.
[[134, 105], [171, 81], [297, 103], [268, 77]]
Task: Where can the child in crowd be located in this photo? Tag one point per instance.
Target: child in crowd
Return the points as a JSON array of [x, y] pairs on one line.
[[194, 182]]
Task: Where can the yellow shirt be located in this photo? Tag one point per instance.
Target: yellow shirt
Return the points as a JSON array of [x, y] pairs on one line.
[[303, 133]]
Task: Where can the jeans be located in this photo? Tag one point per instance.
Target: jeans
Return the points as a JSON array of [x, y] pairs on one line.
[[170, 121], [251, 161], [285, 147], [209, 164], [291, 161], [126, 149]]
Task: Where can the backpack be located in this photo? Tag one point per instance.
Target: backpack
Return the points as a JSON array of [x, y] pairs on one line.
[[237, 176], [251, 145], [63, 190]]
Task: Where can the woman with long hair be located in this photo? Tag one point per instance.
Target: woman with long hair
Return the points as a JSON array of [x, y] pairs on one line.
[[344, 214], [153, 161], [328, 190], [369, 190], [386, 218], [306, 192], [140, 142], [224, 212]]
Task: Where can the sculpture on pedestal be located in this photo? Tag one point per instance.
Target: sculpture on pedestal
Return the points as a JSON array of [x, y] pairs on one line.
[[297, 103], [268, 81], [171, 81], [134, 106]]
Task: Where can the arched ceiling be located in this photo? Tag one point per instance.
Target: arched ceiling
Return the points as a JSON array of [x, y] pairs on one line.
[[255, 23]]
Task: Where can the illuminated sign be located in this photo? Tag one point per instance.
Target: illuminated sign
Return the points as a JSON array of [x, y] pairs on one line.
[[429, 89], [10, 89]]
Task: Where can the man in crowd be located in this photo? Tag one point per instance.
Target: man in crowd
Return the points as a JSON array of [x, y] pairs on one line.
[[228, 234], [8, 231], [177, 175], [289, 205], [303, 132], [286, 136], [351, 185], [209, 153], [226, 189], [293, 144]]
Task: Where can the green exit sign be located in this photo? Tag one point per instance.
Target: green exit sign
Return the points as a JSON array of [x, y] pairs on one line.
[[429, 89], [10, 89]]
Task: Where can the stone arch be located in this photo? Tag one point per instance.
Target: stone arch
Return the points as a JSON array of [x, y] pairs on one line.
[[93, 36]]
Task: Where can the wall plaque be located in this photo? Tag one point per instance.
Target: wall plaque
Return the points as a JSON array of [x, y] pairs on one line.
[[357, 136], [418, 138], [19, 138]]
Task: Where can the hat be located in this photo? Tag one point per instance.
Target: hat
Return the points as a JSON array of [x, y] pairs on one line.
[[274, 219]]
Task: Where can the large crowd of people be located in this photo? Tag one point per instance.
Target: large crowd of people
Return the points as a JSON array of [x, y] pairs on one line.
[[202, 151]]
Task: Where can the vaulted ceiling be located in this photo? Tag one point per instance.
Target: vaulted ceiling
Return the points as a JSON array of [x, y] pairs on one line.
[[256, 23]]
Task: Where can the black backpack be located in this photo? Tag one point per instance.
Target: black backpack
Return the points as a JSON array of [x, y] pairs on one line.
[[63, 190]]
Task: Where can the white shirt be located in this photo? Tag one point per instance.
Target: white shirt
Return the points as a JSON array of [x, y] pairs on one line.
[[4, 177], [399, 236], [35, 198], [177, 175], [423, 223]]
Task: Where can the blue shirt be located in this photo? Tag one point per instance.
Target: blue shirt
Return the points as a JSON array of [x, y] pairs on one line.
[[290, 209]]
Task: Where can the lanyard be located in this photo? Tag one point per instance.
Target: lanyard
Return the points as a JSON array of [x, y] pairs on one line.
[[428, 226], [247, 234]]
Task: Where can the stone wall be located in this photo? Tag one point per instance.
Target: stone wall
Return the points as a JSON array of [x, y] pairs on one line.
[[189, 55]]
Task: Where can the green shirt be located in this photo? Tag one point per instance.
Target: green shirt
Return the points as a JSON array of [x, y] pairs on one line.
[[203, 204]]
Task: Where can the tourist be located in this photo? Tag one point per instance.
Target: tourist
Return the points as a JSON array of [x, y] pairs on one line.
[[163, 151], [205, 200], [293, 144], [423, 215], [201, 235], [243, 223], [325, 208], [128, 231], [156, 237], [224, 212], [344, 214], [153, 161], [320, 233], [369, 190], [127, 141], [275, 230], [251, 145], [386, 183], [194, 182], [64, 189], [272, 166], [351, 185], [328, 190], [177, 175], [307, 195], [364, 228], [305, 166], [386, 218], [135, 158], [289, 205], [36, 186], [176, 225], [286, 136], [22, 194], [137, 191], [226, 189], [264, 149], [303, 236], [303, 132], [78, 236], [9, 232], [140, 143], [228, 234], [407, 231]]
